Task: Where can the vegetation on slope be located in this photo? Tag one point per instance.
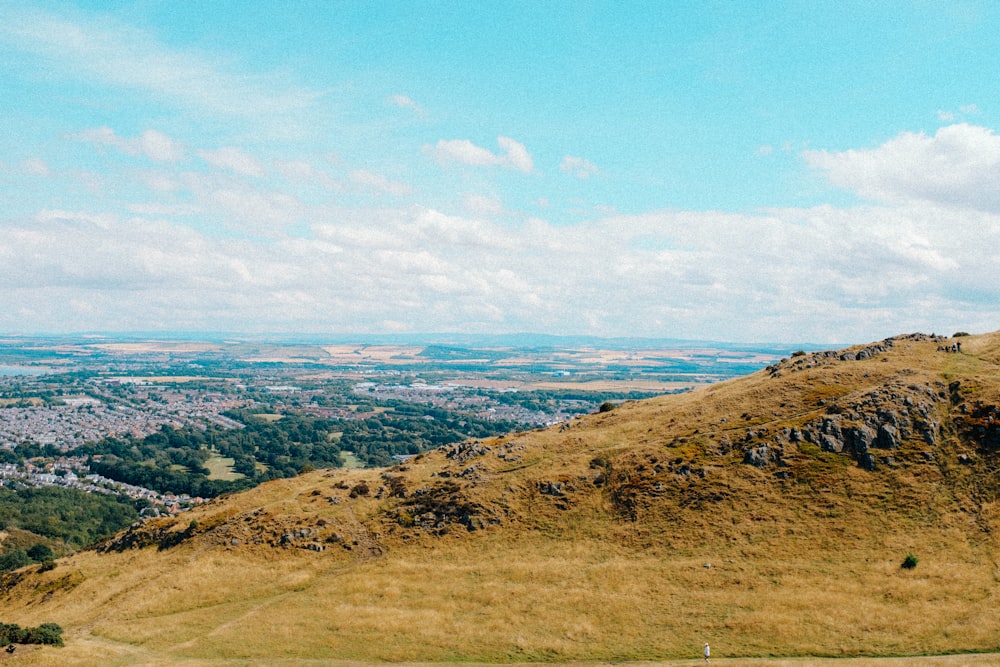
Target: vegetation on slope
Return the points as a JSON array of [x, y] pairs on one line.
[[38, 522]]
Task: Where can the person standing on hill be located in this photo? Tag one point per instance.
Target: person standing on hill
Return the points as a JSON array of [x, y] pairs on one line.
[[707, 652]]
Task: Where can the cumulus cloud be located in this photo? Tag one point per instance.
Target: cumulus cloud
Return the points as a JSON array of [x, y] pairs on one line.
[[958, 166], [815, 274], [233, 159], [152, 144], [578, 166], [515, 155]]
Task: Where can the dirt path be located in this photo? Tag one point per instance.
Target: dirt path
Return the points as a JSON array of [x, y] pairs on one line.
[[98, 652]]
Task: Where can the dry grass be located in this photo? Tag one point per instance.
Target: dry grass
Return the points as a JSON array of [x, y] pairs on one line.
[[493, 599]]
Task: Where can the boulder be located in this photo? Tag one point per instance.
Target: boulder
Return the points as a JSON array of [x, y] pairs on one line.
[[830, 443], [888, 437], [758, 457], [866, 461], [863, 437]]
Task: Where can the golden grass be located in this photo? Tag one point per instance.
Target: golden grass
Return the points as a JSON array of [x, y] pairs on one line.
[[493, 599]]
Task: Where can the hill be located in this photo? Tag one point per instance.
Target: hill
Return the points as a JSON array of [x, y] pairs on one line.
[[769, 515]]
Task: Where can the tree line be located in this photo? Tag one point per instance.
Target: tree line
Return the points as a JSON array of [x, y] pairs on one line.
[[173, 460]]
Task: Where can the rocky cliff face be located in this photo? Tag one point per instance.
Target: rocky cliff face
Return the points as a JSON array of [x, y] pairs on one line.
[[868, 424]]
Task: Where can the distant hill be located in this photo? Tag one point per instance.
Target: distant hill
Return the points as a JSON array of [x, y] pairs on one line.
[[514, 340], [770, 515]]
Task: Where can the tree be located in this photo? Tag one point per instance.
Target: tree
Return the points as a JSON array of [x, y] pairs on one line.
[[40, 552], [13, 560]]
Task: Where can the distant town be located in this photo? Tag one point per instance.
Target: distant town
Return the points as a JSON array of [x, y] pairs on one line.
[[88, 413]]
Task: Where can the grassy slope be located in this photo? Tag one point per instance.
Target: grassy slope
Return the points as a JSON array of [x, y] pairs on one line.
[[677, 543]]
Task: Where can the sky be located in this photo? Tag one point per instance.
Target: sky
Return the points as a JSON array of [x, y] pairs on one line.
[[733, 171]]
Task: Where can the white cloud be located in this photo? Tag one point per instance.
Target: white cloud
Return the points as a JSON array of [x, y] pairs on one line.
[[817, 274], [516, 156], [403, 102], [379, 183], [480, 205], [578, 166], [107, 51], [159, 147], [153, 209], [36, 167], [300, 172], [958, 166], [254, 211], [233, 159], [152, 144]]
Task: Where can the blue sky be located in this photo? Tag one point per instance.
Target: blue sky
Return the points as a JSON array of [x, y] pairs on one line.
[[734, 171]]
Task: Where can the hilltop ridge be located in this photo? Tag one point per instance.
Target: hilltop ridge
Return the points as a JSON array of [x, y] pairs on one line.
[[769, 513]]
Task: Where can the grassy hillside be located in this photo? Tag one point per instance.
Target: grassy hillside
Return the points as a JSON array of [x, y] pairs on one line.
[[769, 516]]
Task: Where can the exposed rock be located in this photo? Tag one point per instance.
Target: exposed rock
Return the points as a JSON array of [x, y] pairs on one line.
[[551, 488], [863, 437], [758, 457], [463, 451], [830, 443], [888, 436]]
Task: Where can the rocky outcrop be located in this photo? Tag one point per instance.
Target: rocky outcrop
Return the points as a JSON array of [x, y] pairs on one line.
[[801, 361], [759, 456], [881, 420]]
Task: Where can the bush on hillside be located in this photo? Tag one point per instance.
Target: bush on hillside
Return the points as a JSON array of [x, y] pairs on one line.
[[46, 633], [909, 562], [959, 334], [40, 552], [12, 560]]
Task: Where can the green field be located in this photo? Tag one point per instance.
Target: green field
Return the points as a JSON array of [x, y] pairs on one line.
[[221, 467]]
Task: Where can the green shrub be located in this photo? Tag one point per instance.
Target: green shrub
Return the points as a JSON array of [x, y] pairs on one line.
[[606, 406], [40, 552], [46, 633], [909, 562], [13, 560]]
